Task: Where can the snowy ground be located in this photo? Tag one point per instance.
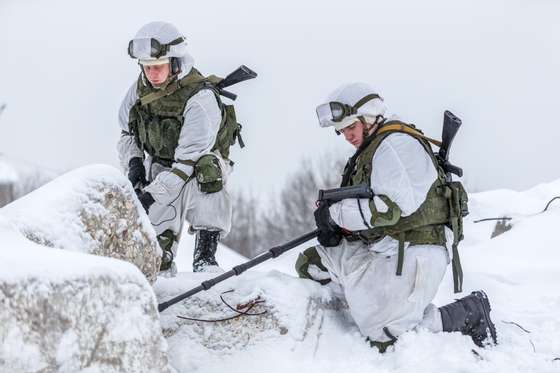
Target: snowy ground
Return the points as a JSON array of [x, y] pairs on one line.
[[306, 329], [520, 271]]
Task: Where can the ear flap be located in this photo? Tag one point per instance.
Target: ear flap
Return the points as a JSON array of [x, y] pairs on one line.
[[175, 65]]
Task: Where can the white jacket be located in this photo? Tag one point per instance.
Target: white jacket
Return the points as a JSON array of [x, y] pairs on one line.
[[202, 117], [404, 172]]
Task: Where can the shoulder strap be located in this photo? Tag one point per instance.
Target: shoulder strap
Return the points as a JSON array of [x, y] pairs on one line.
[[193, 78], [396, 126]]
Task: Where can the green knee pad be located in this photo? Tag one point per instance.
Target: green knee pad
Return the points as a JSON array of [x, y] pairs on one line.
[[307, 258], [209, 174], [165, 241], [381, 346]]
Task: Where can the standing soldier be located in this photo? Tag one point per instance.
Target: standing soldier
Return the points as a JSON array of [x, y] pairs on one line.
[[388, 254], [175, 128]]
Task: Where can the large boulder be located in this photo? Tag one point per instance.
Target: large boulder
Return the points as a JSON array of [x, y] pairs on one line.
[[91, 210], [64, 311]]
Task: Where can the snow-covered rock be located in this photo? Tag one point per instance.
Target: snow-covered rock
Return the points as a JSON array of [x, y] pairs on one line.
[[64, 311], [91, 210]]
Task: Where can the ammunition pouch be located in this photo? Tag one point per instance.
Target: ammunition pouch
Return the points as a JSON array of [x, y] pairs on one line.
[[208, 174]]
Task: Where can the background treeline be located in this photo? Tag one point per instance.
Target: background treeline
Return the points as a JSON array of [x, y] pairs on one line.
[[259, 225]]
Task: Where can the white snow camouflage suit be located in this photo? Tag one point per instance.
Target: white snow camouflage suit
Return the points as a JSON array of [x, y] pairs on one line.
[[175, 200]]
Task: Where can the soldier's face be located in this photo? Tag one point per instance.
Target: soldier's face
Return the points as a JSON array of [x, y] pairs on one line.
[[354, 133], [157, 74]]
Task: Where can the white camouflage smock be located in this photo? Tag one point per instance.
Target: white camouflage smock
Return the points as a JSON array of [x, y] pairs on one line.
[[376, 296], [176, 201]]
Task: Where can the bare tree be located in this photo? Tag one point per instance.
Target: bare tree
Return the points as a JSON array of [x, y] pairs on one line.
[[244, 233], [293, 214], [31, 181], [255, 230]]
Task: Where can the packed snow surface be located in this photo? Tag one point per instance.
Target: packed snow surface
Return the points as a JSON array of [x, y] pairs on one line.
[[306, 330], [300, 326]]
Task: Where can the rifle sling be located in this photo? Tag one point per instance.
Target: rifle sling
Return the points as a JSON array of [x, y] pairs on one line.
[[408, 130]]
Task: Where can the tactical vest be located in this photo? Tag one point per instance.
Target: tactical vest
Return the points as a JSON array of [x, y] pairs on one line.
[[156, 119], [426, 225]]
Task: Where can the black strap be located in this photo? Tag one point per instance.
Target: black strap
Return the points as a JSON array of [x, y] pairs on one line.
[[362, 214], [363, 100], [352, 160], [400, 255]]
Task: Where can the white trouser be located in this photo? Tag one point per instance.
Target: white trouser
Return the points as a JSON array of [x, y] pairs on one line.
[[211, 211], [377, 297]]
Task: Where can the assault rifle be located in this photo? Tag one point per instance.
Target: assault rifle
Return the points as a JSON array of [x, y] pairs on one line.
[[241, 74], [325, 196], [451, 125]]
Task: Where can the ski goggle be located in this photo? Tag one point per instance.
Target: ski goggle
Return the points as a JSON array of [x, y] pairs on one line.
[[146, 48], [334, 112]]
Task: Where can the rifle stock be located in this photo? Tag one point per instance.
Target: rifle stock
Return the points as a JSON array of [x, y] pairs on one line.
[[240, 74], [451, 124], [338, 194]]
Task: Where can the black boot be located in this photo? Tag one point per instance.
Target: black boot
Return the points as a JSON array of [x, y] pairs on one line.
[[471, 316], [205, 249]]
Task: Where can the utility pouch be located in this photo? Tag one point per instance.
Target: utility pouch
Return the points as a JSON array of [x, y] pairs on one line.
[[462, 197], [209, 174], [458, 205], [229, 133]]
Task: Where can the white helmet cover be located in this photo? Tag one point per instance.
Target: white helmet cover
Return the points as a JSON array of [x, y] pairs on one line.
[[350, 94], [164, 33]]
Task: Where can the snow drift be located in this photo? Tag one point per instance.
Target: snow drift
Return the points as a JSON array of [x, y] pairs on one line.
[[65, 310]]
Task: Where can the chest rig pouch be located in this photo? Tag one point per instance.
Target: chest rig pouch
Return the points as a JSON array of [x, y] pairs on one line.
[[156, 120]]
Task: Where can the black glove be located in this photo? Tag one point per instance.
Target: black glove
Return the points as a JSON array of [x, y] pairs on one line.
[[330, 234], [137, 172], [146, 200]]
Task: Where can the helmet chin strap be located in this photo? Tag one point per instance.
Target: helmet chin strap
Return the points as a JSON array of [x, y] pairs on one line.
[[370, 128]]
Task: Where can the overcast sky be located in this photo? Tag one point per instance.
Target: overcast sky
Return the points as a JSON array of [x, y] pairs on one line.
[[496, 64]]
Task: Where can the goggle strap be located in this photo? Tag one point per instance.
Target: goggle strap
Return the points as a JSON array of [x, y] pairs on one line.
[[363, 100], [154, 43], [164, 48], [179, 40]]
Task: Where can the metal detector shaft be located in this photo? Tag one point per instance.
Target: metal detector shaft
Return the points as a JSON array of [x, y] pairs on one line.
[[237, 270]]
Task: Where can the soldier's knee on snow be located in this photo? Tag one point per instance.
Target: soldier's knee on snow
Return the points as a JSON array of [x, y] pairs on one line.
[[380, 346], [209, 174], [309, 260]]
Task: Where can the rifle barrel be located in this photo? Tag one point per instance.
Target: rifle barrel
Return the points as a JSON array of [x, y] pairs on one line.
[[237, 270]]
